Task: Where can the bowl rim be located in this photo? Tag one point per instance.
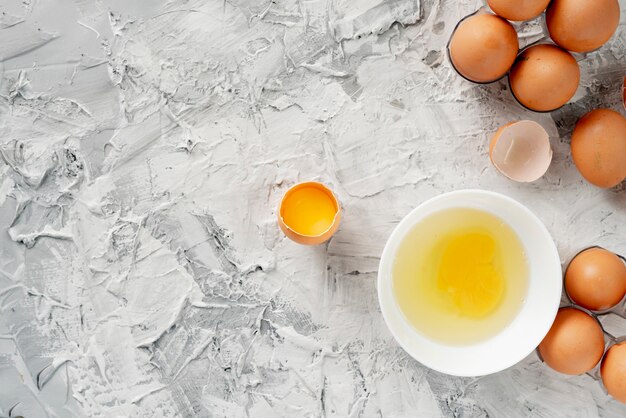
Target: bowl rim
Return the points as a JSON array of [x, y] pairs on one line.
[[495, 361]]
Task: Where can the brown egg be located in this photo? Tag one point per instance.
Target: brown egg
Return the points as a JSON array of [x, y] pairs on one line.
[[613, 371], [599, 147], [544, 77], [483, 47], [518, 9], [574, 344], [582, 25], [596, 279]]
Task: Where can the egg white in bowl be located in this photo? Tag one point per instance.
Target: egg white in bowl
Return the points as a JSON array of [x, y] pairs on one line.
[[526, 329]]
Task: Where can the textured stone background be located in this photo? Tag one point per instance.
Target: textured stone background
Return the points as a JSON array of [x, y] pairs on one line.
[[144, 146]]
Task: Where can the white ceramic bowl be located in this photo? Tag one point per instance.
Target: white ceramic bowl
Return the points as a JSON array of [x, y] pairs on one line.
[[525, 331]]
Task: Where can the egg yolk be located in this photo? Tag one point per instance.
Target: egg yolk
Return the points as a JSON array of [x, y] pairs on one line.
[[468, 278], [308, 211]]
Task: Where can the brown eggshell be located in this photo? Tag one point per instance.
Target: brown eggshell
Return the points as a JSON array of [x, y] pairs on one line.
[[596, 279], [496, 136], [574, 344], [518, 9], [599, 147], [483, 47], [613, 371], [582, 25], [521, 150], [544, 77], [624, 92]]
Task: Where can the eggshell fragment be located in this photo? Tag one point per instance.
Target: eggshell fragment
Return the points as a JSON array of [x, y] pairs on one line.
[[596, 279], [624, 92], [582, 25], [309, 213], [521, 150], [599, 147], [613, 371], [518, 9], [544, 77], [574, 344], [483, 47]]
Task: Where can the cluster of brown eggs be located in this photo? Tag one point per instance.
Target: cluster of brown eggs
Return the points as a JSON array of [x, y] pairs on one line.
[[595, 283], [484, 47]]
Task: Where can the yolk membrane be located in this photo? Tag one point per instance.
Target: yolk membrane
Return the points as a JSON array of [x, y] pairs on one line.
[[467, 277], [308, 211]]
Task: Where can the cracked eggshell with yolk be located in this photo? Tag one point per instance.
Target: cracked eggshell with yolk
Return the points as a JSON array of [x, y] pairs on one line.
[[309, 213]]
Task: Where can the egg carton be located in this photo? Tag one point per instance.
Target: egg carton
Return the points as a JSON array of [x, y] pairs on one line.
[[618, 311], [530, 33]]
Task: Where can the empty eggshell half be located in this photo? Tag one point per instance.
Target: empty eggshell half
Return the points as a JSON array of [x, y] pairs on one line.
[[521, 151]]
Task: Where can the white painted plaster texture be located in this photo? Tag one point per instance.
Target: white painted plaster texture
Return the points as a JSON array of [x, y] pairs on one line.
[[144, 147]]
